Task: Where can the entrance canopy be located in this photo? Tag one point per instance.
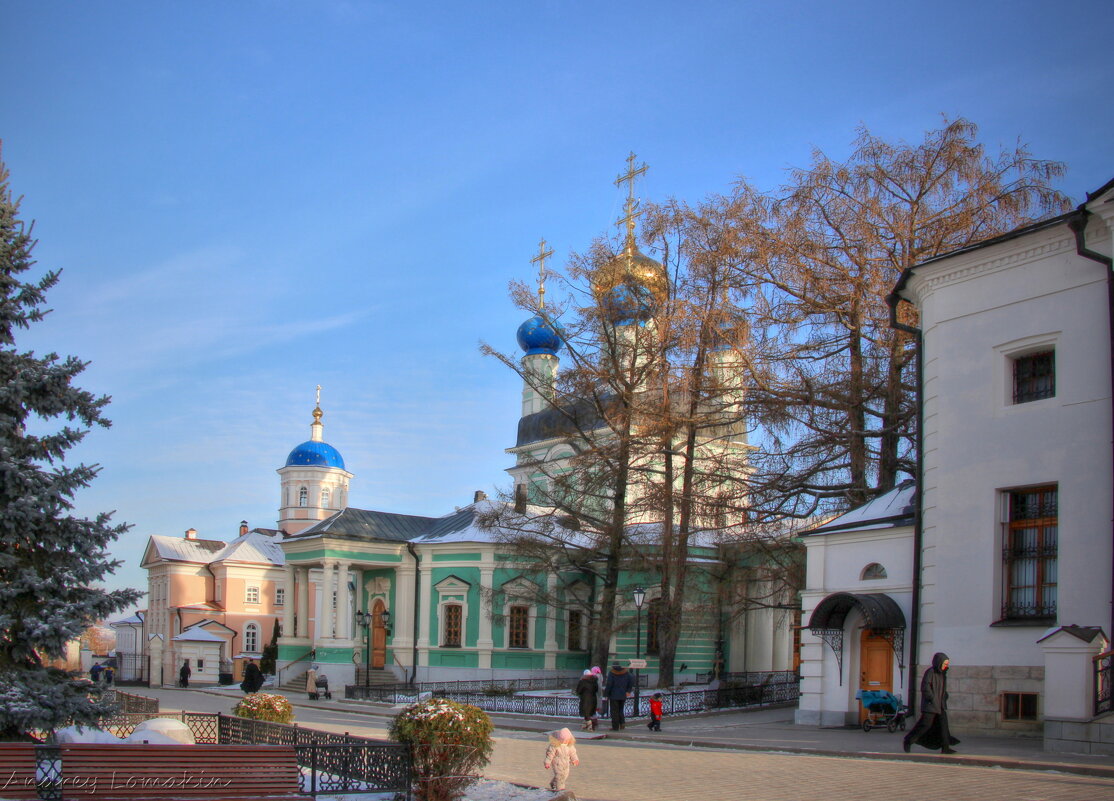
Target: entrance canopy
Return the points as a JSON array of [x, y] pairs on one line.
[[880, 612]]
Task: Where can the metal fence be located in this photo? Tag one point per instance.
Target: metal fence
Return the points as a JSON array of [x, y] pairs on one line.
[[408, 693], [1104, 683], [331, 762], [129, 702]]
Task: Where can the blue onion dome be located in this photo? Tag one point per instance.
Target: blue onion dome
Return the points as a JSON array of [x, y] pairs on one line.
[[315, 454], [630, 286], [538, 335]]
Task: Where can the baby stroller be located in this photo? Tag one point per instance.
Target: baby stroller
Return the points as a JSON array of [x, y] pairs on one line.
[[883, 708], [323, 688]]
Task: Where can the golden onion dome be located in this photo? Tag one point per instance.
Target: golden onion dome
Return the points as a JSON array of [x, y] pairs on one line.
[[633, 270]]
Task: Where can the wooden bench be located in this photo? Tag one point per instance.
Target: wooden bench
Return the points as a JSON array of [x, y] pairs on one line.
[[213, 772], [17, 770]]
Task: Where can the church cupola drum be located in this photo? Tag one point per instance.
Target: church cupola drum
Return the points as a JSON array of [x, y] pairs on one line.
[[314, 483]]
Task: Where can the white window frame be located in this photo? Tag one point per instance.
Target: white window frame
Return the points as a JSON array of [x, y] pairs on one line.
[[280, 596], [303, 497], [520, 592], [325, 495], [251, 625], [252, 594], [452, 590], [1009, 352]]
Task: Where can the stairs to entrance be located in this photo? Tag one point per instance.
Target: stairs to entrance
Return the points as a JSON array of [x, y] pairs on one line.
[[376, 678]]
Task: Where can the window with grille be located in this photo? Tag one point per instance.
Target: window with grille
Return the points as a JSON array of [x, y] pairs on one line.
[[653, 616], [251, 638], [1019, 706], [325, 498], [576, 631], [1029, 554], [1034, 376], [251, 595], [518, 627], [280, 596], [303, 497], [451, 625]]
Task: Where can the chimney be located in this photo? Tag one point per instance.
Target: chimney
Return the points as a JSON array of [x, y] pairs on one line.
[[191, 533], [520, 498], [243, 527], [479, 496]]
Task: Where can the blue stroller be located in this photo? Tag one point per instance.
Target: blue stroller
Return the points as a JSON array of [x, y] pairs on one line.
[[883, 708]]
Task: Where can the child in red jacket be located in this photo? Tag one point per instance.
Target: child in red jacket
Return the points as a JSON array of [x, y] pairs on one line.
[[655, 713]]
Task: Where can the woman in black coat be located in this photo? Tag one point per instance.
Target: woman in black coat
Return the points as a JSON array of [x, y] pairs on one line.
[[931, 730], [588, 691]]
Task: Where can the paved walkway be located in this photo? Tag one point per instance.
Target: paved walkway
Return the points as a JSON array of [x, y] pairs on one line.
[[738, 756]]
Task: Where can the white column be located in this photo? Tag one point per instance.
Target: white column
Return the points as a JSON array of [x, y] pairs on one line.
[[426, 600], [302, 588], [402, 616], [485, 644], [288, 600], [550, 623], [325, 628], [344, 603]]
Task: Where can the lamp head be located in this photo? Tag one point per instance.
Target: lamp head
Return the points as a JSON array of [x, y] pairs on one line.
[[639, 596]]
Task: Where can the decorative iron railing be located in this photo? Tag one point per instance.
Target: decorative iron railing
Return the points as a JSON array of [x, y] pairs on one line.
[[330, 762], [746, 690], [749, 679], [408, 693], [1104, 683], [128, 702]]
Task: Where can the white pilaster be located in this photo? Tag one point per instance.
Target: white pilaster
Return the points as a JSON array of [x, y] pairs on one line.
[[325, 613], [289, 601], [302, 588], [550, 623], [344, 603], [427, 600], [485, 644], [402, 616]]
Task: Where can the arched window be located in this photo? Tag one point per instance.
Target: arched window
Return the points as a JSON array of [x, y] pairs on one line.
[[873, 571], [303, 497], [325, 497], [251, 638]]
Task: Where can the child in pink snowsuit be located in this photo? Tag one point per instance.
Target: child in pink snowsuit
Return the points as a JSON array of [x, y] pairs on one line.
[[560, 756]]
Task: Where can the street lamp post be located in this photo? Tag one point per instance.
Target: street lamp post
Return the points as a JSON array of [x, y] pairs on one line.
[[639, 599], [367, 620]]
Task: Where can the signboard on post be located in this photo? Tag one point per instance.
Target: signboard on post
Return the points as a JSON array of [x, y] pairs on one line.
[[637, 663]]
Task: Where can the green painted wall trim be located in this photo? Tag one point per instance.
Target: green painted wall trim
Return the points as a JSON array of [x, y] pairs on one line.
[[336, 553], [457, 557], [287, 653], [453, 657], [333, 656], [518, 660]]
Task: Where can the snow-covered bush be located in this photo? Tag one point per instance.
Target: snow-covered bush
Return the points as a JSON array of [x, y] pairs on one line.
[[451, 744], [265, 706]]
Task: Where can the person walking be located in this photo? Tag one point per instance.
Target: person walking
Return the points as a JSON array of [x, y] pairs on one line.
[[184, 674], [598, 673], [931, 730], [560, 756], [311, 682], [655, 713], [253, 678], [617, 690], [587, 689]]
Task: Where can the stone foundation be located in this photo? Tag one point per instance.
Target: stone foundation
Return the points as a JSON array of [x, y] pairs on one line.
[[974, 698], [1070, 737]]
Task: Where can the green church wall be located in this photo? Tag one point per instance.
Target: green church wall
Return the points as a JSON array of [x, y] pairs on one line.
[[456, 557], [333, 656], [518, 660], [453, 657], [471, 633], [365, 605], [335, 553]]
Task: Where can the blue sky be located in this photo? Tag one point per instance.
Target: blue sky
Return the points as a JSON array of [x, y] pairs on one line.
[[249, 199]]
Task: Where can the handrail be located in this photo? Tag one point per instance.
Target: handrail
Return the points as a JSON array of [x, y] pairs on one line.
[[279, 673], [1103, 688]]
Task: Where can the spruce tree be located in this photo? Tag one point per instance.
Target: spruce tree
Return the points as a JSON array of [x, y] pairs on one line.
[[50, 559]]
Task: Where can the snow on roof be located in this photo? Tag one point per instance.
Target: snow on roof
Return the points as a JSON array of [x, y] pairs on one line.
[[180, 549], [894, 508], [255, 546], [134, 620], [198, 634]]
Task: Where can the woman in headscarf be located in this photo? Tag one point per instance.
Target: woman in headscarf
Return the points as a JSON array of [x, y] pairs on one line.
[[931, 730], [587, 689]]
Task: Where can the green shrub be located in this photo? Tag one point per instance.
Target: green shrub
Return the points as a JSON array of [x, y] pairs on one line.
[[495, 690], [265, 706], [451, 744]]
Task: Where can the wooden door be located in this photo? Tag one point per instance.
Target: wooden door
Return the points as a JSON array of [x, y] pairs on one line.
[[378, 637], [876, 666]]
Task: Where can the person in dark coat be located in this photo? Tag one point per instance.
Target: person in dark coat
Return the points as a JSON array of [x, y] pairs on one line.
[[184, 674], [253, 678], [931, 730], [588, 691], [617, 690]]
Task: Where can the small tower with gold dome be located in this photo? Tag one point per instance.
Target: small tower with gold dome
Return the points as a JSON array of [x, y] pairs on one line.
[[314, 483]]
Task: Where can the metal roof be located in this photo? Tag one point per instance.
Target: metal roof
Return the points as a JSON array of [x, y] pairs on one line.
[[894, 508], [180, 549], [256, 547]]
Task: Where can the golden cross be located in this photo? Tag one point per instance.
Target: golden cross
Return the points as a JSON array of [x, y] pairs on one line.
[[539, 260], [631, 206]]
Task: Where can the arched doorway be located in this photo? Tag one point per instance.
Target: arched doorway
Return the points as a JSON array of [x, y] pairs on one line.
[[378, 636], [876, 665]]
